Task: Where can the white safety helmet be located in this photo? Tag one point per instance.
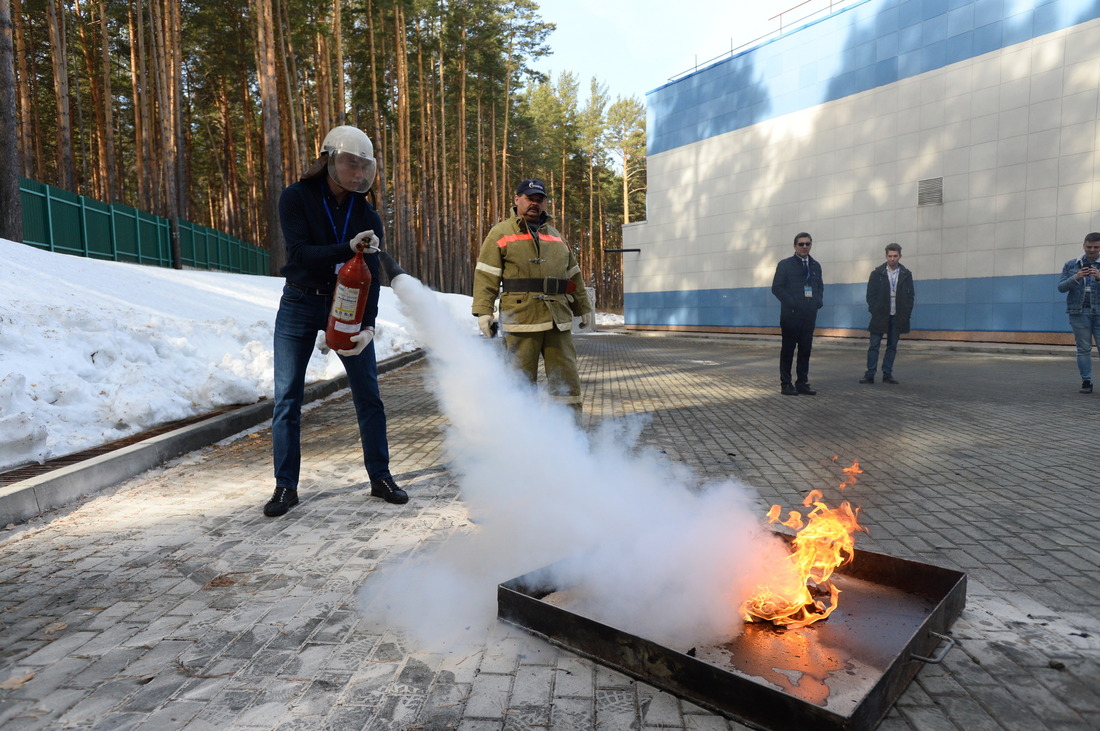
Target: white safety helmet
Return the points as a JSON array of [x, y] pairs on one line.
[[350, 158]]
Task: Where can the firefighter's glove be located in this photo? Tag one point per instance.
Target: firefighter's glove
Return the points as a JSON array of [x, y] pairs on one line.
[[587, 320], [361, 339], [485, 325], [389, 266], [322, 343], [364, 241]]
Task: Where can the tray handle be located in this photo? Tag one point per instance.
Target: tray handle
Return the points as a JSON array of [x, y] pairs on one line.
[[941, 653]]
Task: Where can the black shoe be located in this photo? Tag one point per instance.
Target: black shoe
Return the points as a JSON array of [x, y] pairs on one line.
[[869, 379], [805, 390], [788, 390], [388, 490], [283, 500], [887, 378], [1086, 386]]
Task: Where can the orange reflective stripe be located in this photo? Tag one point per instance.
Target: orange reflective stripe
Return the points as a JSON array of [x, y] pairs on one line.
[[505, 240], [548, 237]]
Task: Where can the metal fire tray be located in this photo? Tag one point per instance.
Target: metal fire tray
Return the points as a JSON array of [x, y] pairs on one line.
[[840, 673]]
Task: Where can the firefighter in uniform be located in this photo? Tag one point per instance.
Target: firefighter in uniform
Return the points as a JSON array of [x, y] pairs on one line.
[[525, 260]]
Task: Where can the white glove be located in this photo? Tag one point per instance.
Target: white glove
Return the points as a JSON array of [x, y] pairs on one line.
[[322, 344], [364, 241], [588, 319], [484, 324], [361, 339]]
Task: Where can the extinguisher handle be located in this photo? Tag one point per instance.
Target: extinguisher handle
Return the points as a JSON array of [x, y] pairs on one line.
[[365, 242]]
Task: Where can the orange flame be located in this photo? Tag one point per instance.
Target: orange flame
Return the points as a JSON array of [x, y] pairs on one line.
[[826, 542], [851, 472]]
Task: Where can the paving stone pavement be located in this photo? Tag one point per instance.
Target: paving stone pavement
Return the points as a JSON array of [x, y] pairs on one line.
[[170, 602]]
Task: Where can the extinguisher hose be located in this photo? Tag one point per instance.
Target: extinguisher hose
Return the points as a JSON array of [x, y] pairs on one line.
[[389, 266]]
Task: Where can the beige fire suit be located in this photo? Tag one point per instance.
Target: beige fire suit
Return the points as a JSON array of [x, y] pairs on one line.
[[542, 291]]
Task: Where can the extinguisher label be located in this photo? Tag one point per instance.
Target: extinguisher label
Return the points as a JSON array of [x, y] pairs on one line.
[[345, 327], [345, 303]]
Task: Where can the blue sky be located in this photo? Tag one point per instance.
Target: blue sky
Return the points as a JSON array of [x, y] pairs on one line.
[[634, 47]]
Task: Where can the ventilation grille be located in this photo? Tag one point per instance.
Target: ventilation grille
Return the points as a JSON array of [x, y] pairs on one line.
[[930, 192]]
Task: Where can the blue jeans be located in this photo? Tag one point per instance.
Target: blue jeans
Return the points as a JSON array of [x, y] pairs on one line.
[[892, 337], [1086, 329], [301, 315]]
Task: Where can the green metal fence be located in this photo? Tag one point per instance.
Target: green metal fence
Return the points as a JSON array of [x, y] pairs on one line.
[[61, 221]]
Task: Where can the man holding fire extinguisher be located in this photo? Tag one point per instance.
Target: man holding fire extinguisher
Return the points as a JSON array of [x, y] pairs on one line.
[[326, 220]]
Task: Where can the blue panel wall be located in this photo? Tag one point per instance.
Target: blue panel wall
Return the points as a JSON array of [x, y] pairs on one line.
[[1003, 304], [863, 47]]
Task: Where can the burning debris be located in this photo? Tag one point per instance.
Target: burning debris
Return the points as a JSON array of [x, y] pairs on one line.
[[825, 541]]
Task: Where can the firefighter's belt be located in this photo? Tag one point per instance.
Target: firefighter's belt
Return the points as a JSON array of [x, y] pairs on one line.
[[546, 285]]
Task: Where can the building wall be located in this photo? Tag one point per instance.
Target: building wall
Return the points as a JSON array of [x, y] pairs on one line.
[[829, 129]]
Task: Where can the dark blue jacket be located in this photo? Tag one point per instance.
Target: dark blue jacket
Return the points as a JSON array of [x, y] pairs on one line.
[[317, 231], [789, 281], [878, 299]]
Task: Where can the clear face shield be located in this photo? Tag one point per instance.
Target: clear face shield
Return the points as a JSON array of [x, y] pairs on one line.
[[351, 171]]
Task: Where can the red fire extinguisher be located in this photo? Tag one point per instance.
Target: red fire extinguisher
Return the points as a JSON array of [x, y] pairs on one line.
[[348, 303]]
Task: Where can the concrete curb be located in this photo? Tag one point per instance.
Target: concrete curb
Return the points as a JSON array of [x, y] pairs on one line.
[[23, 500]]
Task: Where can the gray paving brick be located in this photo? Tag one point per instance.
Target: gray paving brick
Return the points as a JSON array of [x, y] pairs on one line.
[[532, 687], [616, 708], [489, 696], [572, 713], [575, 676], [183, 607], [659, 709]]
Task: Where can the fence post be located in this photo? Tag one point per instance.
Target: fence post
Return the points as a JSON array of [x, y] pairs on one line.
[[49, 219], [84, 226]]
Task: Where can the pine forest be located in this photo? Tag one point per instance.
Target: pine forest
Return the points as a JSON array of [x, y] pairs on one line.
[[204, 110]]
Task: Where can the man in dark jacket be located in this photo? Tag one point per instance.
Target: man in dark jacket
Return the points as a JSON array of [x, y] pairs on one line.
[[800, 290], [890, 296]]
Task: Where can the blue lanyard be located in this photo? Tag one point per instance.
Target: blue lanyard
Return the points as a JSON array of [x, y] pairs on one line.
[[806, 261], [340, 239]]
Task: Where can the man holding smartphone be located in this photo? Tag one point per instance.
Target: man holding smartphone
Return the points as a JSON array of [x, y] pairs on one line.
[[1081, 283]]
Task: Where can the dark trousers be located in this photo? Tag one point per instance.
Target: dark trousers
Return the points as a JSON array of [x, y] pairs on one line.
[[798, 332]]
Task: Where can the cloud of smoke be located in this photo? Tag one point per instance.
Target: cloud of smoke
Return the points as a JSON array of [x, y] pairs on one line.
[[647, 547]]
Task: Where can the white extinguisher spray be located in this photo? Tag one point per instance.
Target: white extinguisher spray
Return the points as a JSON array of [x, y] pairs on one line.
[[345, 320]]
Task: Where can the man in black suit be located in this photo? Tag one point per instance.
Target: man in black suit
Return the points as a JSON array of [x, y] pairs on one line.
[[800, 290]]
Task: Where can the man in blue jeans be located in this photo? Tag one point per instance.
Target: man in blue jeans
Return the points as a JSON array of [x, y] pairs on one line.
[[890, 297], [326, 219], [1081, 283]]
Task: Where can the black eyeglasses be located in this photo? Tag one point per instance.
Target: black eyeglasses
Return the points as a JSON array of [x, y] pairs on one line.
[[804, 243]]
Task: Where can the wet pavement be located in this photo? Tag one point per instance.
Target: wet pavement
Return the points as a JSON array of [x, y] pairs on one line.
[[169, 602]]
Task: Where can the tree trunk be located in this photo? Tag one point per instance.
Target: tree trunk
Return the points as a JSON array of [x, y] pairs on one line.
[[66, 171], [466, 233], [138, 85], [295, 101], [379, 133], [107, 113], [337, 39], [11, 203], [28, 117], [626, 188], [273, 153], [97, 184], [403, 211], [504, 182], [322, 61]]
